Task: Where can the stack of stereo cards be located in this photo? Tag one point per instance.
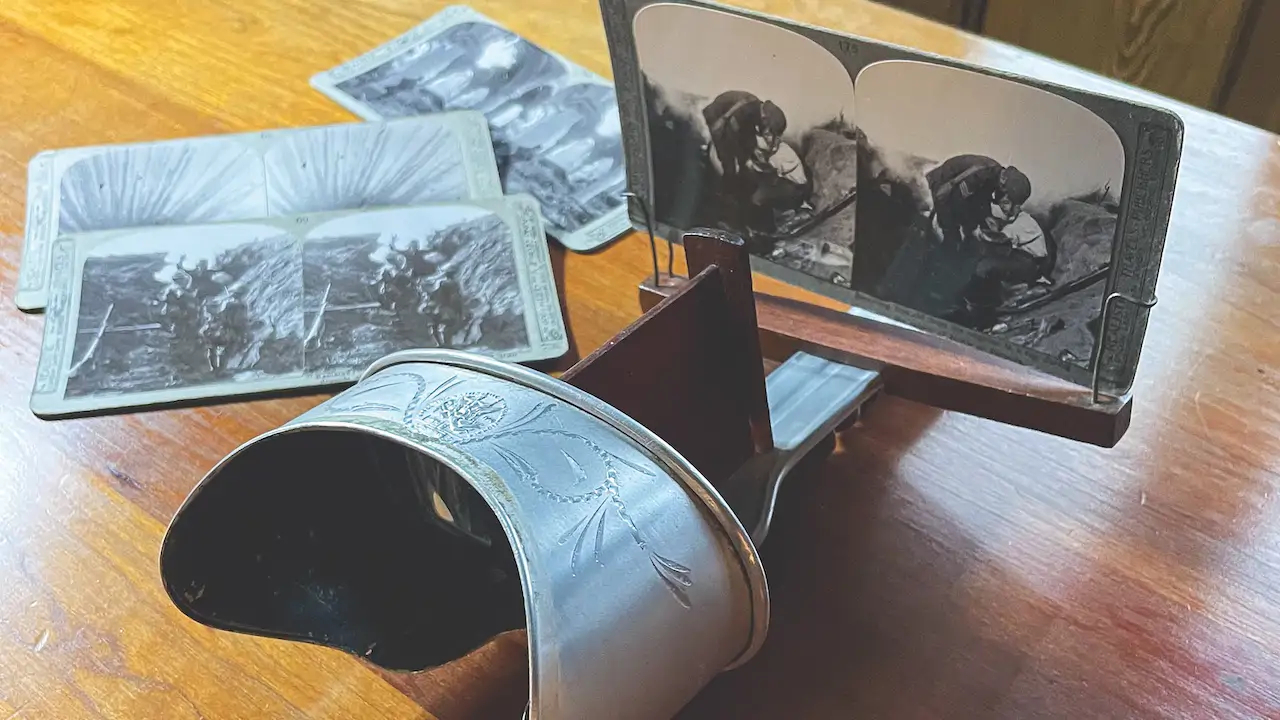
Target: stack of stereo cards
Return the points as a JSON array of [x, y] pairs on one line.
[[999, 211], [182, 270], [213, 267]]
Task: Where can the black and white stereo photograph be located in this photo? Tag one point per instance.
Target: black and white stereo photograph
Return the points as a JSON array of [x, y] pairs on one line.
[[346, 167], [383, 281], [178, 307], [555, 130], [986, 202], [751, 129], [161, 184], [251, 175]]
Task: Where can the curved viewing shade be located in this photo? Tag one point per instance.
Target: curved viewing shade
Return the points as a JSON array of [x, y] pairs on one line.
[[351, 541]]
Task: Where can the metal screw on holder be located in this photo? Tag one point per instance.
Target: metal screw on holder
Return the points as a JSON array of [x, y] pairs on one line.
[[1102, 335]]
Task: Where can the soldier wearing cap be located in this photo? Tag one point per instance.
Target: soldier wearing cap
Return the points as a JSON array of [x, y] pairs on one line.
[[967, 190], [763, 173], [743, 129]]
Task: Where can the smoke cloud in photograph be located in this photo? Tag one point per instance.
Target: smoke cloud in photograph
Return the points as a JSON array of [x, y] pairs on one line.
[[986, 202], [934, 112]]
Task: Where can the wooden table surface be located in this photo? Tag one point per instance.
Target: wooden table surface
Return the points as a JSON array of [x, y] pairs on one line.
[[938, 566]]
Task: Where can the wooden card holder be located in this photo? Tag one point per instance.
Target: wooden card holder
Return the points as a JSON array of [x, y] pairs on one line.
[[930, 370], [691, 368]]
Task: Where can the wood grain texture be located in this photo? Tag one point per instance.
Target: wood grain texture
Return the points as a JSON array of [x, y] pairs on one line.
[[1178, 48], [964, 14], [930, 370], [952, 12], [728, 254], [677, 358], [1251, 93], [937, 566]]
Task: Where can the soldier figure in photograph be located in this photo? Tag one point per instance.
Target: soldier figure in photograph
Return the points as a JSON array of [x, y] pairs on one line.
[[758, 170], [966, 190], [179, 307], [395, 288], [419, 281], [226, 328], [202, 280]]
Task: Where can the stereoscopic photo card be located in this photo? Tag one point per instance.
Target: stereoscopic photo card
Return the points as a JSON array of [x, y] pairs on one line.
[[251, 175], [554, 124], [998, 211], [149, 316]]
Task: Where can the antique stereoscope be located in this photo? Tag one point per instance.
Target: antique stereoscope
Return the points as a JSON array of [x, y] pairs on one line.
[[612, 515]]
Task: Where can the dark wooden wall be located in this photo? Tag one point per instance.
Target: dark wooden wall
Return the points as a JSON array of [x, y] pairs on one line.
[[1250, 91], [960, 13], [1215, 54]]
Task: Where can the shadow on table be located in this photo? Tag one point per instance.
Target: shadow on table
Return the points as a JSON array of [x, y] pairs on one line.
[[863, 573]]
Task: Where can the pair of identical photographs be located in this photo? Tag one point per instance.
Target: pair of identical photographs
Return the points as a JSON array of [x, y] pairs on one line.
[[523, 120], [994, 210], [766, 144], [246, 176], [550, 127], [555, 125], [377, 237]]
